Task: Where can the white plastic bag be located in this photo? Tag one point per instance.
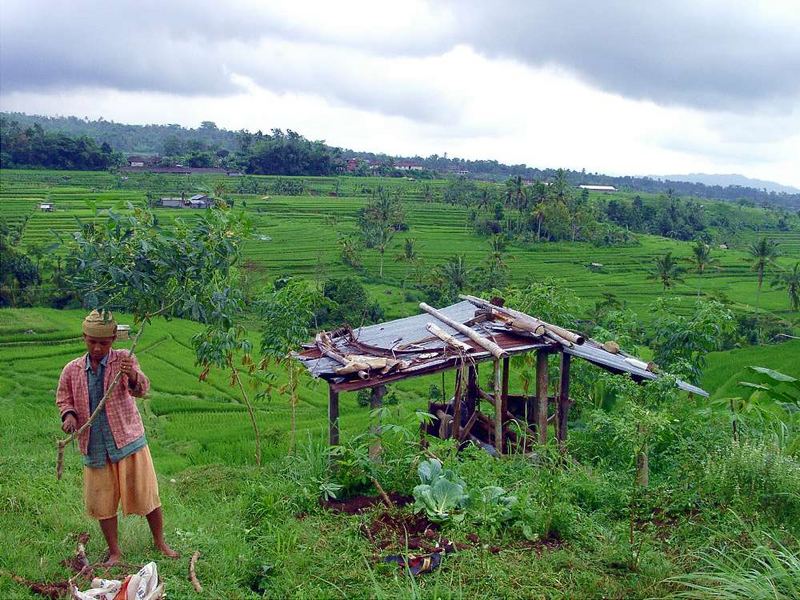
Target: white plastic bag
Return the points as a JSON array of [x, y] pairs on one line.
[[141, 586]]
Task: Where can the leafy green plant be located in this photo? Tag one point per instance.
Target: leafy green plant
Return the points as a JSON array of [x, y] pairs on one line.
[[441, 494]]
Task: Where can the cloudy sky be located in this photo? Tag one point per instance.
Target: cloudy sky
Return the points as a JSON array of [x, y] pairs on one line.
[[615, 86]]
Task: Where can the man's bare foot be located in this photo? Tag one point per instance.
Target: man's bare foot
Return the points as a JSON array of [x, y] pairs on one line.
[[167, 551], [111, 559]]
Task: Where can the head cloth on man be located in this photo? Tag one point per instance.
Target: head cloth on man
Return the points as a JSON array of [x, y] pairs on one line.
[[100, 325]]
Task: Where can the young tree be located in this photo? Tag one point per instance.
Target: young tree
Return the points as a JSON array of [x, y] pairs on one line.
[[666, 270], [380, 220], [287, 313], [790, 281], [129, 263]]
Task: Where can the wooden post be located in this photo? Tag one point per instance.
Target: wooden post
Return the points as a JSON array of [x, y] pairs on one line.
[[471, 401], [541, 395], [375, 402], [333, 417], [498, 409], [461, 385], [504, 393], [562, 408]]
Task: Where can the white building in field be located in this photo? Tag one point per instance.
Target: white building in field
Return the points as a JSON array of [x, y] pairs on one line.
[[598, 188]]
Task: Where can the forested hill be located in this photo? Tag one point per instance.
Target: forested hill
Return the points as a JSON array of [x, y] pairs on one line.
[[175, 140]]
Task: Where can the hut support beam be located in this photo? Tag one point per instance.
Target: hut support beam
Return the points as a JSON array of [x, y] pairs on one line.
[[562, 408], [498, 409], [333, 417], [541, 395]]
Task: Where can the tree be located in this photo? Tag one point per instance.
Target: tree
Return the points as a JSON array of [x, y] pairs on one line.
[[450, 277], [763, 253], [379, 221], [790, 281], [130, 263], [666, 270], [287, 312]]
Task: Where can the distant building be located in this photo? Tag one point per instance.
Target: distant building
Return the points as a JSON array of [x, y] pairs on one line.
[[170, 202], [47, 207], [200, 201], [407, 166], [598, 188]]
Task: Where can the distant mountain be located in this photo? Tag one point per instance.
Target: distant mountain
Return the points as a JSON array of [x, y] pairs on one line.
[[732, 179]]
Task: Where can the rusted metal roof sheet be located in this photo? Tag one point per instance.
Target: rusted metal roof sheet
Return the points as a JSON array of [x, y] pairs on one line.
[[409, 340]]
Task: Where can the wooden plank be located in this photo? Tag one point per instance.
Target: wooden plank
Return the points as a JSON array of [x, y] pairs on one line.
[[483, 342], [562, 408], [541, 396], [333, 417]]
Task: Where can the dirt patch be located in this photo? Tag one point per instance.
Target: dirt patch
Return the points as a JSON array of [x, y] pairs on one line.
[[359, 504], [398, 531]]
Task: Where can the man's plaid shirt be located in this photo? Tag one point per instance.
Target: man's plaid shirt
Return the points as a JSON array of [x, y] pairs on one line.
[[123, 415]]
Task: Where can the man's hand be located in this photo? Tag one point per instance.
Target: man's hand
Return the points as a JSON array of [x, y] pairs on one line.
[[70, 423], [126, 367]]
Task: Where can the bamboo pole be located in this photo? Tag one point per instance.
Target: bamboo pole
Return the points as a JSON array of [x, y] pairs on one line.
[[484, 343], [527, 322], [324, 343], [447, 338]]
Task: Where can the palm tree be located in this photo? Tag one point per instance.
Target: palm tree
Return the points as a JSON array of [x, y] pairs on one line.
[[666, 270], [454, 273], [762, 254], [701, 259], [790, 281]]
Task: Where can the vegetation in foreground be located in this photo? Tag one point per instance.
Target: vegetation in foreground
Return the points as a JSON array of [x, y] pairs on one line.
[[724, 477]]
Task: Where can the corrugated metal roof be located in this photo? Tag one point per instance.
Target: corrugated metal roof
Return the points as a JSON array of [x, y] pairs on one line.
[[409, 340]]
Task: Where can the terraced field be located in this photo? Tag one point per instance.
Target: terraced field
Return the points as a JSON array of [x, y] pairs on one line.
[[298, 235]]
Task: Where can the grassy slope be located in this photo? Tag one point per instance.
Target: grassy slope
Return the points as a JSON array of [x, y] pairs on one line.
[[202, 446], [726, 369]]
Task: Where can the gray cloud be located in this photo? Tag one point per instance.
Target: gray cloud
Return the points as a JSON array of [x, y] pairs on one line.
[[702, 55]]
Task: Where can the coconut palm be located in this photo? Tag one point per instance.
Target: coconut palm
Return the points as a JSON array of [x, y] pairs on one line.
[[701, 258], [454, 273], [790, 281], [666, 270], [763, 253]]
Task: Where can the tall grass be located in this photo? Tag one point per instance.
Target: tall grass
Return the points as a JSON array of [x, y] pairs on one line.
[[770, 570]]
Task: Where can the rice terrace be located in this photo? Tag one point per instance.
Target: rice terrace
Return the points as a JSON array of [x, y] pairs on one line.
[[284, 528], [437, 301]]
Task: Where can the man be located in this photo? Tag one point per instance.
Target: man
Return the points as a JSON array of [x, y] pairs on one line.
[[117, 463]]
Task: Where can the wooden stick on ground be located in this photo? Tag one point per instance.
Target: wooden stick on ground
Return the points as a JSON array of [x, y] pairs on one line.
[[193, 574]]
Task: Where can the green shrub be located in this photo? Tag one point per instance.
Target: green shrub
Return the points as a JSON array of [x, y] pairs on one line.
[[750, 476]]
